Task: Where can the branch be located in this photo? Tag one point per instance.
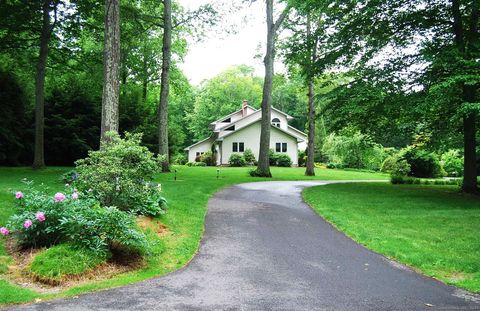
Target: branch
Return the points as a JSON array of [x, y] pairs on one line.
[[280, 19]]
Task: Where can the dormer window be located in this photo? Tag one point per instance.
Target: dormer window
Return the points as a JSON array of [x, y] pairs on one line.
[[227, 120], [276, 122]]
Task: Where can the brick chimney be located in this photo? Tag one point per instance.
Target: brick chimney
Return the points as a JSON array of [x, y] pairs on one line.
[[244, 107]]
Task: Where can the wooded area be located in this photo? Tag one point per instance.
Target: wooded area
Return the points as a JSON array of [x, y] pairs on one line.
[[368, 80]]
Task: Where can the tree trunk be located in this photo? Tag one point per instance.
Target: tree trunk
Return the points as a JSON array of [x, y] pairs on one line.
[[466, 42], [310, 165], [144, 76], [39, 155], [470, 158], [111, 70], [310, 169], [263, 168], [164, 84]]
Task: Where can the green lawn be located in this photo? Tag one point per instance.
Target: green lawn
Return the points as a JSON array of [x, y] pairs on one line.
[[431, 228], [187, 199]]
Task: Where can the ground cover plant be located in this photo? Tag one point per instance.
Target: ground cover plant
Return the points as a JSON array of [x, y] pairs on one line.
[[183, 222], [431, 228]]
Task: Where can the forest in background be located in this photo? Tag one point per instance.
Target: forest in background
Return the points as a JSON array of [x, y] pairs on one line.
[[363, 90]]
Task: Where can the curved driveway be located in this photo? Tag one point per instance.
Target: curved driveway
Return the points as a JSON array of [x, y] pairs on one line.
[[264, 249]]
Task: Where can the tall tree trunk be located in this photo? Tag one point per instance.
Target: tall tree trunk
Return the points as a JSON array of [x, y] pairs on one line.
[[39, 154], [310, 165], [144, 75], [466, 42], [111, 70], [263, 169], [310, 169], [164, 84]]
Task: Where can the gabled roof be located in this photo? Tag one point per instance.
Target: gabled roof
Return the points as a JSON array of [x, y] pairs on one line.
[[289, 117], [297, 130], [255, 112], [198, 142], [226, 117], [249, 124]]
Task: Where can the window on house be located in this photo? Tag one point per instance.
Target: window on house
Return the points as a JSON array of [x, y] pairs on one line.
[[278, 147], [227, 120], [238, 147], [197, 154], [276, 122], [281, 147], [231, 128]]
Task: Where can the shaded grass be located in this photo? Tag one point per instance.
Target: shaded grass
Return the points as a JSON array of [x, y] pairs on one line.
[[187, 205], [431, 228]]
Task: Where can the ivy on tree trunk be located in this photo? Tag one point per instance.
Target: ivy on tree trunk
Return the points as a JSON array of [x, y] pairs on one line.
[[111, 70], [164, 84], [39, 158]]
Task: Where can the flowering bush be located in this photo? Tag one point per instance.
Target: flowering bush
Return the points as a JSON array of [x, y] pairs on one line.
[[44, 220], [120, 175]]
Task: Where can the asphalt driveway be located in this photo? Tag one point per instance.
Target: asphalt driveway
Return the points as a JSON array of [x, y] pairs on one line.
[[264, 249]]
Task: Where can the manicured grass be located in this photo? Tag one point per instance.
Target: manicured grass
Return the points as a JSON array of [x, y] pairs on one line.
[[187, 199], [431, 228], [62, 261]]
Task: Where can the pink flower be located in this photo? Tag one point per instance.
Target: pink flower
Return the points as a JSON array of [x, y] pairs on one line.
[[75, 196], [59, 197], [27, 224], [40, 216], [19, 195], [4, 231]]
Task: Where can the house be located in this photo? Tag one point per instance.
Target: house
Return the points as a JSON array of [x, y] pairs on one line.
[[240, 130]]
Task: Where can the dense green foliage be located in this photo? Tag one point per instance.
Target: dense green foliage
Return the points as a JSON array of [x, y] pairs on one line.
[[121, 174], [354, 150], [45, 220], [435, 227], [237, 160]]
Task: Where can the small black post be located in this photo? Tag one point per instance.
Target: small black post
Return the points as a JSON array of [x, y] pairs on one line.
[[218, 173], [175, 174]]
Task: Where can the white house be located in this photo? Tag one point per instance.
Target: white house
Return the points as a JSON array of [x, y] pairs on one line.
[[241, 130]]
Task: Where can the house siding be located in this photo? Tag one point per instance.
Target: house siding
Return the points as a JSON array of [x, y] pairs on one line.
[[202, 147], [250, 136]]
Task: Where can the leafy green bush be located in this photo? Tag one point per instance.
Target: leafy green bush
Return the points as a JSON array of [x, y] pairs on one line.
[[354, 150], [120, 175], [389, 163], [237, 160], [334, 165], [283, 160], [272, 157], [249, 156], [196, 164], [180, 159], [422, 163], [75, 218], [302, 157], [401, 168], [208, 158], [452, 163], [70, 176], [56, 263]]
